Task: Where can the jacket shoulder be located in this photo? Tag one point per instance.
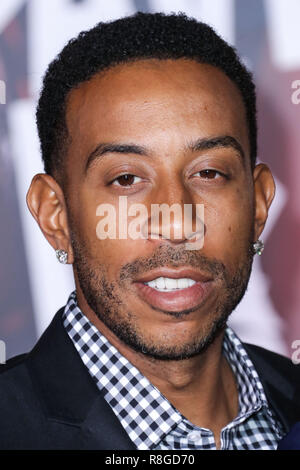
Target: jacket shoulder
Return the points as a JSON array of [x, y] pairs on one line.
[[280, 363], [12, 362], [276, 370], [19, 407], [23, 420], [14, 381]]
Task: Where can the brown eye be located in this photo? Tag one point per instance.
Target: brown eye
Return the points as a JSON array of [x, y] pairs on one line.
[[209, 174], [126, 180]]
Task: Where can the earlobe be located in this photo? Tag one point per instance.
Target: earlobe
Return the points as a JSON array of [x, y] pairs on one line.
[[45, 200], [264, 192]]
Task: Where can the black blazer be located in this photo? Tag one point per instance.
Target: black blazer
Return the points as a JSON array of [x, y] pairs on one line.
[[48, 400]]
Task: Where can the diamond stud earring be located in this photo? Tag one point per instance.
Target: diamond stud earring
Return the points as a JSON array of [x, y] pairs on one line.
[[62, 256], [258, 247]]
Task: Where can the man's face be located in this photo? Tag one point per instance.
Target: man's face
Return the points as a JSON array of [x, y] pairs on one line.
[[164, 108]]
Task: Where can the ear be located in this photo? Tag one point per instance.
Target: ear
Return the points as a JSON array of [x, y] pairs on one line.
[[264, 192], [46, 202]]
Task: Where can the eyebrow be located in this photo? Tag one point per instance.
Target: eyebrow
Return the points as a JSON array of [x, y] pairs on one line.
[[224, 141], [201, 144], [103, 148]]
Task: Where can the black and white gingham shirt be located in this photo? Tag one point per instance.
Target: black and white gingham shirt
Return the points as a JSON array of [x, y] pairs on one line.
[[149, 419]]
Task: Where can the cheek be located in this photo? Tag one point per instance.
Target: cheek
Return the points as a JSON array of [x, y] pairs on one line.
[[98, 228], [228, 228]]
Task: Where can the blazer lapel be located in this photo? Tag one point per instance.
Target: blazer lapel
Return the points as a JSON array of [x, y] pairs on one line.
[[279, 385], [69, 395]]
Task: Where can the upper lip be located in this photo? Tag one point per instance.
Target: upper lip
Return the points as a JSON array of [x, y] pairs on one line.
[[183, 272]]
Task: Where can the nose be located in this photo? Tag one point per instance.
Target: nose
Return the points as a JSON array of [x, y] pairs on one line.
[[176, 218]]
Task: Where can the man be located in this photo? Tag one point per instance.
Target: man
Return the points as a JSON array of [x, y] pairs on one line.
[[158, 110]]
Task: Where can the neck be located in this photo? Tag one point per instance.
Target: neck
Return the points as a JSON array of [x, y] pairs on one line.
[[202, 388]]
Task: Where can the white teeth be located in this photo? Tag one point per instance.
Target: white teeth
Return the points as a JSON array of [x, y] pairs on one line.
[[160, 283], [151, 283], [167, 284], [170, 283], [183, 283]]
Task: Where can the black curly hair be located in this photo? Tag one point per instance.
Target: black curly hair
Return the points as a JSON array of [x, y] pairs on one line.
[[140, 36]]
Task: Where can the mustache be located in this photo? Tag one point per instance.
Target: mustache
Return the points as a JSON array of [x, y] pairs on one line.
[[173, 258]]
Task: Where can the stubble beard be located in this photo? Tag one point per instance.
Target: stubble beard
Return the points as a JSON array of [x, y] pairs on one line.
[[104, 299]]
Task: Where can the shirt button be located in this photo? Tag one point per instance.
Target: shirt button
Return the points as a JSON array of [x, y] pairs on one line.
[[194, 435]]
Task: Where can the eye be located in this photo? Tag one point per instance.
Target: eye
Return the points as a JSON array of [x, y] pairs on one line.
[[209, 174], [126, 180]]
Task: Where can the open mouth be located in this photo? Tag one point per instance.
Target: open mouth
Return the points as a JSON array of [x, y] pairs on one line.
[[168, 284], [174, 290]]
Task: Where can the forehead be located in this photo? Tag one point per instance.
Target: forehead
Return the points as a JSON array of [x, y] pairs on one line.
[[156, 103]]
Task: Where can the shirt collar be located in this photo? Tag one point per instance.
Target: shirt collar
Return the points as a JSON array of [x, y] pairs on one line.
[[146, 415]]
